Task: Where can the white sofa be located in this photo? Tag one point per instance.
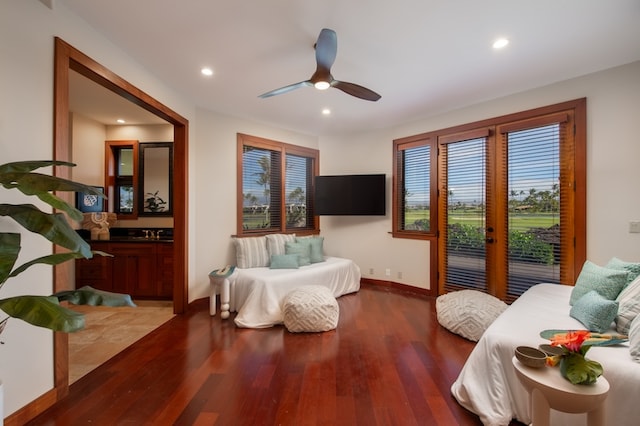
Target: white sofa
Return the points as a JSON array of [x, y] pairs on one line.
[[265, 275]]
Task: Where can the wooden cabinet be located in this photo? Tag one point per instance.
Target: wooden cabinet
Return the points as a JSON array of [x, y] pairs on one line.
[[143, 270], [164, 268]]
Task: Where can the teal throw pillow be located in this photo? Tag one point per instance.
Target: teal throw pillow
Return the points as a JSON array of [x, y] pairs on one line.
[[608, 282], [284, 261], [317, 252], [302, 250], [631, 267], [594, 311]]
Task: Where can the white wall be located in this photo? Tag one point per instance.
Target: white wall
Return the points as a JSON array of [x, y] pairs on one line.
[[213, 191], [27, 30], [613, 151]]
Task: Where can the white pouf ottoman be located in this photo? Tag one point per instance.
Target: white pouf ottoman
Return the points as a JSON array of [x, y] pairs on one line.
[[310, 308], [468, 312]]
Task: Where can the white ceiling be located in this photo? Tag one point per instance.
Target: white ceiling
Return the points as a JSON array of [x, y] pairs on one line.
[[423, 56]]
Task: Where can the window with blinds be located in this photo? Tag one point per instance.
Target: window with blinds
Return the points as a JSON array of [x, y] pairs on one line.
[[465, 181], [413, 192], [508, 206], [534, 207], [275, 186], [298, 192]]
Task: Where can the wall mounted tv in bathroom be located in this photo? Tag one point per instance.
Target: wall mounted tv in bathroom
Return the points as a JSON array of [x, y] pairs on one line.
[[350, 195]]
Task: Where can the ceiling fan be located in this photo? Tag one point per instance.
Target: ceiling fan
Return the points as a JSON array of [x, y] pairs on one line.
[[326, 48]]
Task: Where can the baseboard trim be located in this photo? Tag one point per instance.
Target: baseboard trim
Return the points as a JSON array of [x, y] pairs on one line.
[[398, 286], [33, 409]]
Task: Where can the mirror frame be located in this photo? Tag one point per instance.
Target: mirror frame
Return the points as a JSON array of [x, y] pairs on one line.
[[66, 57], [142, 147]]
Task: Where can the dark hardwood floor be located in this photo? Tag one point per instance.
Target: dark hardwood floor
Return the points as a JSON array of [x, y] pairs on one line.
[[389, 362]]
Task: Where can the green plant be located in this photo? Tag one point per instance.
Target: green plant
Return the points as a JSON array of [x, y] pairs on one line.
[[46, 311], [153, 202]]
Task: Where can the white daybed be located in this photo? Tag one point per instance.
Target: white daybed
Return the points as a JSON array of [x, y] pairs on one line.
[[488, 386], [256, 291]]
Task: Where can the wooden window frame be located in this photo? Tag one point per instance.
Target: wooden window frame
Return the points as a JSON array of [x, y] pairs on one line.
[[111, 171], [284, 149], [397, 210], [532, 117]]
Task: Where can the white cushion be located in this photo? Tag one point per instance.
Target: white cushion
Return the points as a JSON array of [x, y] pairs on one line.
[[468, 312], [310, 308], [251, 252], [275, 242], [629, 306], [634, 339]]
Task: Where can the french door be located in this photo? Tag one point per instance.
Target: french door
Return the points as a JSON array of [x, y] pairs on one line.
[[506, 203]]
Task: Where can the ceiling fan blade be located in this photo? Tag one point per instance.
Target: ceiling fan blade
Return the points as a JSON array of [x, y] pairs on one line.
[[326, 49], [286, 89], [356, 90]]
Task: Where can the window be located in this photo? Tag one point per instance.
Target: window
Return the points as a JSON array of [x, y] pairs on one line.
[[510, 195], [413, 196], [121, 178], [275, 187]]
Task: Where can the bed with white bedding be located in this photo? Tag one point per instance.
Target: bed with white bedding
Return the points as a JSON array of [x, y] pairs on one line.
[[257, 293], [489, 387]]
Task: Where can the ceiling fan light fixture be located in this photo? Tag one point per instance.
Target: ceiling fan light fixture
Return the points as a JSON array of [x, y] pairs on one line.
[[321, 85]]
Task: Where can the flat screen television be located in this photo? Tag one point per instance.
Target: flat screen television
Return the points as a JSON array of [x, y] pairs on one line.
[[350, 195]]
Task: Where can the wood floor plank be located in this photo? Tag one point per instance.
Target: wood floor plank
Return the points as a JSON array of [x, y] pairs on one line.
[[387, 363]]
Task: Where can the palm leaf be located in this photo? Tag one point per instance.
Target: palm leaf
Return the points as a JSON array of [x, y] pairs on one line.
[[53, 226], [9, 250], [27, 166], [53, 259], [43, 311], [90, 296]]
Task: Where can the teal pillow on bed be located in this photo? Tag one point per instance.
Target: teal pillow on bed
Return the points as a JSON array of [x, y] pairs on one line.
[[316, 254], [631, 267], [608, 282], [302, 250], [284, 261], [594, 311]]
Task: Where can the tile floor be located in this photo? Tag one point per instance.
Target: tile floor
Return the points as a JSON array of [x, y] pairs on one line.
[[110, 330]]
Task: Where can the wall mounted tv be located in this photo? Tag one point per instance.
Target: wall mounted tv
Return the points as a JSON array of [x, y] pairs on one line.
[[353, 195]]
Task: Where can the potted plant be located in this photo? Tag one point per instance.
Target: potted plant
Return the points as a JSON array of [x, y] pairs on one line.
[[46, 311]]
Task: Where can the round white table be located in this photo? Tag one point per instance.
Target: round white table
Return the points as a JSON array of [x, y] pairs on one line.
[[548, 389]]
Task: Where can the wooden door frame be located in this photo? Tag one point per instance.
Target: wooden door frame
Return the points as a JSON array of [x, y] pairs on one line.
[[68, 58]]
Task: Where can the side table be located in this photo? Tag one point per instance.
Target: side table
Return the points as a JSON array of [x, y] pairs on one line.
[[222, 285], [548, 389]]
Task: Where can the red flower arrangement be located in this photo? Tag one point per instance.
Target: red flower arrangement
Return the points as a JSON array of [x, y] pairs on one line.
[[573, 364]]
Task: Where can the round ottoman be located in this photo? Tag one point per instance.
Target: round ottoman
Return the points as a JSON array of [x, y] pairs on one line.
[[310, 308], [468, 312]]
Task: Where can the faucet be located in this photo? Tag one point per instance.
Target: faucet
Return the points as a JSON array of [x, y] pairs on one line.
[[158, 232]]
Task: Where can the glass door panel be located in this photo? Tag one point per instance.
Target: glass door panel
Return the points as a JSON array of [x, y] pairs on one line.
[[465, 215], [533, 208]]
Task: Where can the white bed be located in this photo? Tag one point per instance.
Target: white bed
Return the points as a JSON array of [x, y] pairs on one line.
[[257, 293], [488, 386]]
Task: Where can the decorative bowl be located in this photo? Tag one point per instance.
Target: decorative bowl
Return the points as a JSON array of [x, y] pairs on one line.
[[551, 350], [531, 357]]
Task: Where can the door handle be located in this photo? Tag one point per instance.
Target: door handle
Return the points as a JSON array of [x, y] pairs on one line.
[[489, 239]]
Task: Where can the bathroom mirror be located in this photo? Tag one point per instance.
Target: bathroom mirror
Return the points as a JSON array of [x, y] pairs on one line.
[[155, 183]]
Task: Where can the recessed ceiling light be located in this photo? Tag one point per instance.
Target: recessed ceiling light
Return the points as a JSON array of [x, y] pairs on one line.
[[207, 71], [500, 43], [121, 121], [326, 111]]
